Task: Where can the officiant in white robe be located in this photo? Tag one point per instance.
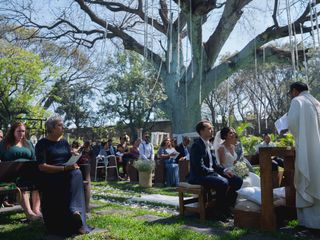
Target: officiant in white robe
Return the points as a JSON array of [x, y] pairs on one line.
[[304, 124]]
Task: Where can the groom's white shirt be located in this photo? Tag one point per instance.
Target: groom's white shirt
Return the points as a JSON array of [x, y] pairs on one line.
[[304, 124]]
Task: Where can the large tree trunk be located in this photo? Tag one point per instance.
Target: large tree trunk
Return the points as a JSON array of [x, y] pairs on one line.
[[183, 108], [184, 118]]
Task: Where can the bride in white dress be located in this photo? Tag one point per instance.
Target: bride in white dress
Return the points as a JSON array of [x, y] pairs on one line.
[[226, 155]]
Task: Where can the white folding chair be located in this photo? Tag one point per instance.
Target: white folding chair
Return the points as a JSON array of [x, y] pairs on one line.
[[106, 162], [111, 162]]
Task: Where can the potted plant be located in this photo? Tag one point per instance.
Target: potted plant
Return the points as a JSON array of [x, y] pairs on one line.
[[145, 169]]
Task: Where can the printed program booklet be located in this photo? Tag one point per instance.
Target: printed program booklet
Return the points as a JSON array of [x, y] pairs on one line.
[[72, 160]]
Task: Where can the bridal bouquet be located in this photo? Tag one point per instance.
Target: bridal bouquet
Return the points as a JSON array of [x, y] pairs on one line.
[[241, 169]]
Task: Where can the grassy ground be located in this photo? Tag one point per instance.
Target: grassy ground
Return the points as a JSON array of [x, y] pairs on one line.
[[123, 219], [127, 188]]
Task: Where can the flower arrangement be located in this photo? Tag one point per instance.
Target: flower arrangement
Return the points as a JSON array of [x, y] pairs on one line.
[[241, 169], [144, 165]]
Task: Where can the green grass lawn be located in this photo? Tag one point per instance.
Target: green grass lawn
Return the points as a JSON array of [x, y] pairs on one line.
[[127, 188], [124, 220]]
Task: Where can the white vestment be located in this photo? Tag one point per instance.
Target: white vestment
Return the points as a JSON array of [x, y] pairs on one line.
[[304, 124]]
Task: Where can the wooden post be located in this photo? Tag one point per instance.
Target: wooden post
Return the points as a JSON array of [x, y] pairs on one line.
[[159, 173], [268, 217], [85, 170]]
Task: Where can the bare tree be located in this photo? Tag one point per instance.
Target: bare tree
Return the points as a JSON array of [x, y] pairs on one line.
[[261, 93], [174, 23]]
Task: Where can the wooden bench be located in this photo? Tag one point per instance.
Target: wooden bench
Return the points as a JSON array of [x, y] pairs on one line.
[[133, 173], [85, 170], [159, 173], [10, 171], [266, 218], [197, 204], [184, 167]]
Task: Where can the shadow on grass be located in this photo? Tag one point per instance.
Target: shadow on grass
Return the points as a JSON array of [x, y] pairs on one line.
[[192, 223], [190, 220], [14, 229], [128, 186]]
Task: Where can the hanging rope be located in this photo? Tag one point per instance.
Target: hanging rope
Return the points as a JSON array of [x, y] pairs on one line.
[[186, 72], [80, 42], [255, 59], [290, 37], [296, 48], [304, 53], [312, 27], [317, 26], [256, 78], [152, 31], [157, 79], [191, 26], [201, 67], [170, 42], [103, 45], [145, 49], [178, 45]]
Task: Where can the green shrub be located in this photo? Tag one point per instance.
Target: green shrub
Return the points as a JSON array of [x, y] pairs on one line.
[[249, 144], [286, 141], [144, 165]]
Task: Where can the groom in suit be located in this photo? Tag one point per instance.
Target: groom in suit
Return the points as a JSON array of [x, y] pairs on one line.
[[205, 171]]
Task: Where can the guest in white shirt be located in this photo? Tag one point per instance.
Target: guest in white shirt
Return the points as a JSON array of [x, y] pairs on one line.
[[266, 142], [146, 150]]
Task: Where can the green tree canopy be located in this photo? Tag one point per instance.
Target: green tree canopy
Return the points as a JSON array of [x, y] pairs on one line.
[[20, 82], [132, 92], [75, 104]]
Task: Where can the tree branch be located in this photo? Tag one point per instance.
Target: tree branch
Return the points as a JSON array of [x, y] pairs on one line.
[[119, 7], [230, 16]]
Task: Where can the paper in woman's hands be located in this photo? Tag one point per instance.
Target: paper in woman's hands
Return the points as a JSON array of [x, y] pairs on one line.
[[172, 150], [74, 159]]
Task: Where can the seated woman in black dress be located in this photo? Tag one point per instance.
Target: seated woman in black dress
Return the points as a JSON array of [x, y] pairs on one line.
[[61, 187]]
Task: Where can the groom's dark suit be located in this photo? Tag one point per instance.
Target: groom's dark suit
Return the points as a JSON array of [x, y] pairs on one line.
[[206, 173]]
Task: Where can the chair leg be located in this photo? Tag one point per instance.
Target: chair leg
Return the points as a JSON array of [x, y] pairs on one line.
[[95, 173], [202, 207], [106, 174], [181, 204], [117, 172]]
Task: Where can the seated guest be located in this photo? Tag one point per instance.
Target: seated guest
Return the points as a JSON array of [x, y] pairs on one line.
[[123, 154], [15, 146], [134, 150], [75, 148], [96, 148], [205, 171], [239, 151], [167, 153], [61, 186], [266, 142], [4, 199], [86, 152], [109, 148], [182, 148], [146, 149], [276, 161]]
